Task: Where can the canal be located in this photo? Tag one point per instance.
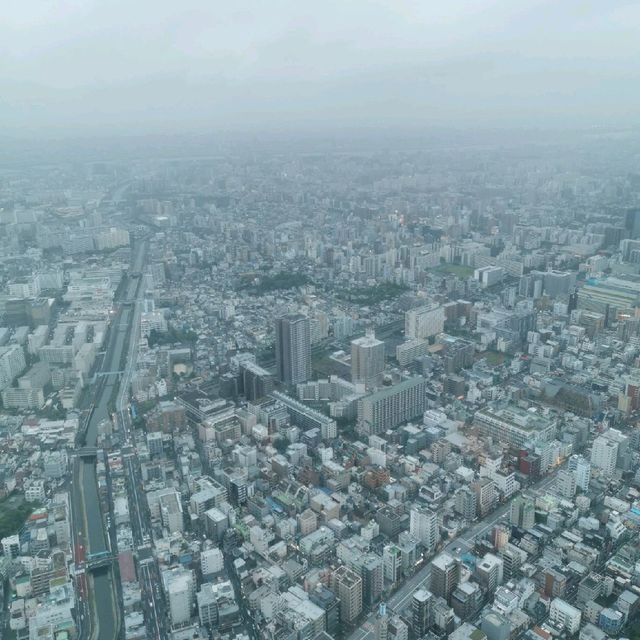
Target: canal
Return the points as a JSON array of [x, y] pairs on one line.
[[107, 386]]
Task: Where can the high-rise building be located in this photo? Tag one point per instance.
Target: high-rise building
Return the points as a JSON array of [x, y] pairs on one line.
[[347, 585], [566, 484], [372, 574], [581, 469], [293, 348], [382, 623], [11, 546], [421, 612], [12, 364], [398, 630], [513, 558], [445, 575], [486, 495], [466, 504], [632, 223], [254, 381], [179, 585], [212, 562], [329, 603], [610, 451], [444, 618], [389, 407], [489, 572], [558, 283], [523, 512], [500, 536], [423, 526], [604, 454], [392, 563], [466, 599], [424, 322], [367, 360]]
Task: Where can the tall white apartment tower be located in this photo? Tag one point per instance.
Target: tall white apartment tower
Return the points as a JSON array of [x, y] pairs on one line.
[[367, 360], [293, 348]]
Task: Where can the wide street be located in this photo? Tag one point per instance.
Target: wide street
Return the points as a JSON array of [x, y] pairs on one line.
[[149, 573], [399, 601]]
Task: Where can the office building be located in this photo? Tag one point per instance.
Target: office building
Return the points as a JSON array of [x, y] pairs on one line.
[[382, 623], [611, 621], [566, 484], [565, 616], [421, 612], [489, 572], [514, 425], [392, 563], [609, 296], [293, 348], [329, 603], [610, 451], [217, 605], [212, 562], [466, 599], [486, 495], [445, 575], [423, 526], [179, 586], [372, 574], [581, 469], [523, 512], [489, 276], [347, 585], [513, 558], [397, 629], [307, 617], [604, 454], [367, 360], [466, 503]]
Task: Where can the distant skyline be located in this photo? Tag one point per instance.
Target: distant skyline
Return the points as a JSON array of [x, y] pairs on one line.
[[89, 67]]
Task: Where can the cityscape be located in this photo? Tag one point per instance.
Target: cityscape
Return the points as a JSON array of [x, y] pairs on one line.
[[320, 321], [286, 407]]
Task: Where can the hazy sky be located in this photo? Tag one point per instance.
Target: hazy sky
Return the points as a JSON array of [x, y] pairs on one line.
[[101, 66]]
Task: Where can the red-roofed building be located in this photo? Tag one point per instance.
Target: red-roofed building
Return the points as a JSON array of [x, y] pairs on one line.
[[127, 567]]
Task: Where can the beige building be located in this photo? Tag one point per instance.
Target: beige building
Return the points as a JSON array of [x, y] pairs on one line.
[[347, 585]]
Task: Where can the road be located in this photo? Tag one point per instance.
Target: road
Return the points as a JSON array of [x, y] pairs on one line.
[[399, 601], [148, 570], [249, 623]]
